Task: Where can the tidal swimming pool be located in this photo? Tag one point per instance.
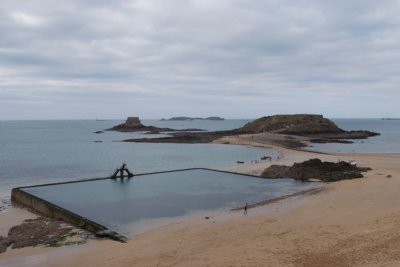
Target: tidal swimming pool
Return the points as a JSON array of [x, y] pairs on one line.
[[114, 203]]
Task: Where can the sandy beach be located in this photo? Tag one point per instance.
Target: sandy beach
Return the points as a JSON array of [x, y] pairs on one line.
[[347, 223]]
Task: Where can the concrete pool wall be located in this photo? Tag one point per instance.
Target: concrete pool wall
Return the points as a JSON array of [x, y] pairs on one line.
[[48, 209], [45, 208]]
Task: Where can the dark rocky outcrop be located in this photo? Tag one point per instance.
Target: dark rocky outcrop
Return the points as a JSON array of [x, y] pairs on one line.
[[316, 169], [39, 231], [133, 124], [184, 138]]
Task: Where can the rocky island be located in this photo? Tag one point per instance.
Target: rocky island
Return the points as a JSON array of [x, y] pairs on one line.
[[133, 124], [286, 130], [308, 125]]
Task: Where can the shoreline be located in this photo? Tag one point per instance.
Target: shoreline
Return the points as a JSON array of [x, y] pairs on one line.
[[231, 239]]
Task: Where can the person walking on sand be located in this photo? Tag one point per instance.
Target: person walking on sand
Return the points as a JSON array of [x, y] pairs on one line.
[[245, 208]]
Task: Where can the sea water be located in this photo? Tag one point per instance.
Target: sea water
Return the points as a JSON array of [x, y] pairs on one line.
[[386, 142], [33, 152]]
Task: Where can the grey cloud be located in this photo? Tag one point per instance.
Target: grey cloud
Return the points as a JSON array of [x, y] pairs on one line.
[[201, 53]]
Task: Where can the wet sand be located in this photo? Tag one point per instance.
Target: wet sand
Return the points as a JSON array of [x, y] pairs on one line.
[[348, 223]]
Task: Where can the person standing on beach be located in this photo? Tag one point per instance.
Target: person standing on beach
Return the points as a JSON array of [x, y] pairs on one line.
[[245, 208]]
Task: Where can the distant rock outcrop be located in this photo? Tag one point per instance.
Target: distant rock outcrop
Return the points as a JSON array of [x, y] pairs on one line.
[[133, 124], [315, 169]]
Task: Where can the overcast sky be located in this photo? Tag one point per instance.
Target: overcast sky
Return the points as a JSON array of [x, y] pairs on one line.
[[232, 58]]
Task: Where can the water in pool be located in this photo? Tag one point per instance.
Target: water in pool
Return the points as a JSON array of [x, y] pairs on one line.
[[116, 203]]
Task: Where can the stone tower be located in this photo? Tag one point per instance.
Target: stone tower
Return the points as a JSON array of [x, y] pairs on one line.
[[133, 122]]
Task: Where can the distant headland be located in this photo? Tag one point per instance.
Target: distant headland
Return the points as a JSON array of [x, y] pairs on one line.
[[193, 119]]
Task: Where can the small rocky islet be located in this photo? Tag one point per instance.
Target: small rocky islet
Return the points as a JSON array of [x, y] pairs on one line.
[[133, 124]]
